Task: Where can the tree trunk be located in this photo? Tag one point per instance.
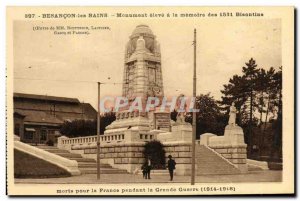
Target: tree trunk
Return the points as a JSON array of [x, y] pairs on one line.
[[262, 108], [250, 123]]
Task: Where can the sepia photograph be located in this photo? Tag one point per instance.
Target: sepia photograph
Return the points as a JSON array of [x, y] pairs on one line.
[[150, 101]]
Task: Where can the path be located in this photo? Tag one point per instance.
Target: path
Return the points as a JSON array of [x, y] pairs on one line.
[[259, 176]]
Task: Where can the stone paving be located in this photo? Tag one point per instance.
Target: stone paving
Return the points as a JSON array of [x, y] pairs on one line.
[[254, 176]]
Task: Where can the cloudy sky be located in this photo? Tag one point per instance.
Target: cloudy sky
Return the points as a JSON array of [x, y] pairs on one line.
[[40, 57]]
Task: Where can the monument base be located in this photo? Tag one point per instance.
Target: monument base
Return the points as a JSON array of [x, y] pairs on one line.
[[231, 146]]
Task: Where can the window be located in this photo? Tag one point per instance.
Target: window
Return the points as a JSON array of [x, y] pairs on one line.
[[43, 135], [28, 135]]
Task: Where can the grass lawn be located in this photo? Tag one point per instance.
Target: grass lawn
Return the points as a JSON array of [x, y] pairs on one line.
[[28, 166]]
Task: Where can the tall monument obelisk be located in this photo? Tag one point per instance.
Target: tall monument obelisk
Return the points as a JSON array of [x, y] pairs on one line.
[[142, 68], [142, 78]]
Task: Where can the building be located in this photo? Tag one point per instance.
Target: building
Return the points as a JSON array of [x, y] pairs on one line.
[[38, 118]]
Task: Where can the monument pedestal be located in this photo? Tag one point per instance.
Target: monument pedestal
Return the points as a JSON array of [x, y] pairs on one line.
[[231, 146], [180, 133]]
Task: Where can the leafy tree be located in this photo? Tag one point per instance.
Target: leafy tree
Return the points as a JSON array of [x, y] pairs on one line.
[[106, 119], [257, 95], [155, 151], [234, 92], [250, 72], [277, 125], [261, 85], [78, 128], [81, 127], [210, 119]]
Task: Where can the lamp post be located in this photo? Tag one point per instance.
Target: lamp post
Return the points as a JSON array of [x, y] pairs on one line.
[[98, 127], [98, 133], [194, 115]]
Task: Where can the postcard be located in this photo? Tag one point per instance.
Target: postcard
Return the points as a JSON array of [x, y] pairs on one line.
[[122, 101]]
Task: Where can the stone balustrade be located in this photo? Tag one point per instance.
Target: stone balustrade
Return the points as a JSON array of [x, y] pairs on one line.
[[91, 141]]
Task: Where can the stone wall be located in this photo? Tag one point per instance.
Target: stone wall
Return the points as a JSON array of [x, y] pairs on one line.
[[235, 154], [220, 154], [231, 146], [181, 153], [129, 156]]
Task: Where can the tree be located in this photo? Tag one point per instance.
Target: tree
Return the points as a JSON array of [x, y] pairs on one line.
[[266, 83], [78, 128], [261, 85], [210, 119], [277, 125], [257, 95], [106, 119], [234, 92], [250, 72], [155, 151], [81, 127]]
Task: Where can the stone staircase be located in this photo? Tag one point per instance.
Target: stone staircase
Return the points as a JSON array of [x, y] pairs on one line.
[[85, 165], [211, 162]]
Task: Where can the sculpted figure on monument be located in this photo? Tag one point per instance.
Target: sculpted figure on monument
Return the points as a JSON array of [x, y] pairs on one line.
[[232, 115], [181, 106]]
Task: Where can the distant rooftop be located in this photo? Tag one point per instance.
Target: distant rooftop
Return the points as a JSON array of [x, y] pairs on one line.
[[45, 97]]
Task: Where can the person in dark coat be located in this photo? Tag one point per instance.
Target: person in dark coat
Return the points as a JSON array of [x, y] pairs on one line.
[[171, 167], [145, 170], [149, 167]]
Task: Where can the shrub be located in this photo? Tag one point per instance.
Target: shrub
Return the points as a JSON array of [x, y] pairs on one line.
[[81, 127], [156, 152]]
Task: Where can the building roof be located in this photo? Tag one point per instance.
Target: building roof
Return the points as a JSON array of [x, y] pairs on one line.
[[18, 114], [89, 111], [45, 97], [38, 117], [50, 110]]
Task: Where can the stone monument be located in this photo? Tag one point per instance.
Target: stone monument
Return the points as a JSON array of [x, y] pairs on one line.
[[123, 141], [232, 115], [232, 145], [142, 78]]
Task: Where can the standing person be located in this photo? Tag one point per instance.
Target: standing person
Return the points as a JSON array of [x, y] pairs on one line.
[[149, 167], [171, 167], [145, 170]]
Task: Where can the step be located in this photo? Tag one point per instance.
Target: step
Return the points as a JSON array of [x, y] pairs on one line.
[[80, 159], [253, 168], [55, 151], [92, 165], [102, 171], [69, 155], [210, 162], [45, 147]]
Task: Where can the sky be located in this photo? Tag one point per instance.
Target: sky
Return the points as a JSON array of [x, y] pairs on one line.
[[70, 66]]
